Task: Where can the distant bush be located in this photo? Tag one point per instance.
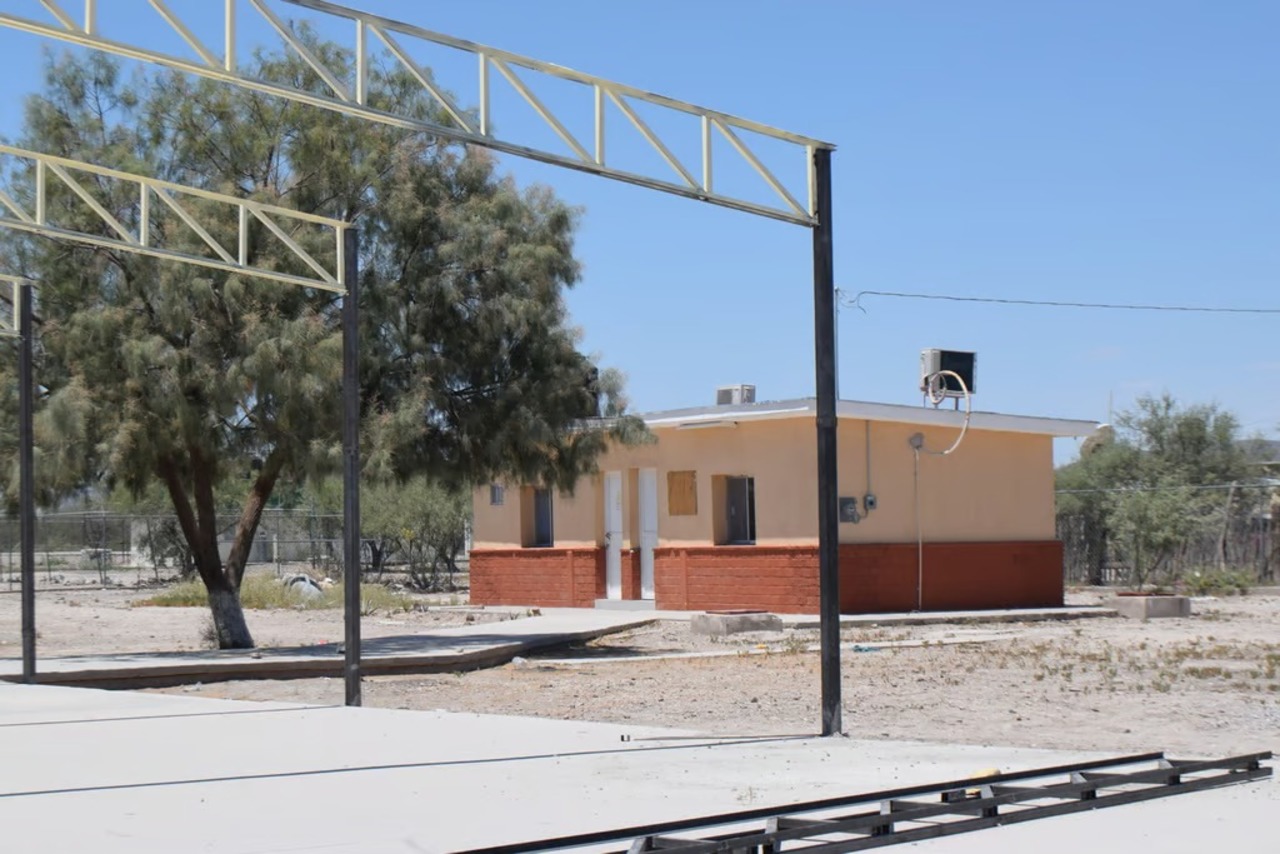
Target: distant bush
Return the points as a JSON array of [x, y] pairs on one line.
[[1208, 582]]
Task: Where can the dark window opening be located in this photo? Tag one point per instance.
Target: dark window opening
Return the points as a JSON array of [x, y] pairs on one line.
[[542, 529], [740, 503]]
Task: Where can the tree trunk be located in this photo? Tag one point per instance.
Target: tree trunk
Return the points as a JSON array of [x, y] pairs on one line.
[[228, 620], [230, 628]]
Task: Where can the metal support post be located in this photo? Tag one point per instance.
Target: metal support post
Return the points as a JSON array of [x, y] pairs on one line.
[[828, 518], [351, 460], [26, 478]]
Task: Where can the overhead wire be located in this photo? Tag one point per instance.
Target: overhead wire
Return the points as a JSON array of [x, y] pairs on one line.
[[855, 302]]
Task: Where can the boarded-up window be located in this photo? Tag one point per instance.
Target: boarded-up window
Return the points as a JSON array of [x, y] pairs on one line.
[[682, 493]]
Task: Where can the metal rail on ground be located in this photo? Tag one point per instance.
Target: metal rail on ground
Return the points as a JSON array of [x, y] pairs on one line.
[[893, 816]]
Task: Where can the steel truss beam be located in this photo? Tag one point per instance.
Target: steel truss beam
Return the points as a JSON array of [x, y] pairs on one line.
[[350, 99], [201, 217], [152, 194]]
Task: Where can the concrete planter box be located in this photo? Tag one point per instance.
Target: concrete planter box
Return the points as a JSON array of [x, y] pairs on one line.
[[721, 623], [1142, 606]]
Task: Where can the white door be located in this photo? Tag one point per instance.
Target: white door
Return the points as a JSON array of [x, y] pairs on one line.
[[613, 534], [648, 529]]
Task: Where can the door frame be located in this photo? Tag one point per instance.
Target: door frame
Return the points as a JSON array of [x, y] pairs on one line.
[[613, 534], [648, 513]]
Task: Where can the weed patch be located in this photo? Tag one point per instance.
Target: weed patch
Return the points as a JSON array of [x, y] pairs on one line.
[[264, 593]]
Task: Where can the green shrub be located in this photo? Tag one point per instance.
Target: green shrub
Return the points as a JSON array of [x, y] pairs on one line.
[[1207, 582]]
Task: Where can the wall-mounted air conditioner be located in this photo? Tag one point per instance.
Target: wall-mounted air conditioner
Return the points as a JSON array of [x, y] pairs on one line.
[[729, 395], [957, 361]]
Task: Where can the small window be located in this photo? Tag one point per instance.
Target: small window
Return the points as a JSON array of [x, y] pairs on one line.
[[740, 504], [682, 493], [497, 494]]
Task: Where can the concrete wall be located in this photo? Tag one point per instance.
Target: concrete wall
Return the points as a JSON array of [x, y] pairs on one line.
[[496, 526], [995, 487], [577, 517]]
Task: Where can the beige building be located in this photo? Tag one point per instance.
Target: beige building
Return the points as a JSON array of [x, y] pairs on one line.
[[721, 512]]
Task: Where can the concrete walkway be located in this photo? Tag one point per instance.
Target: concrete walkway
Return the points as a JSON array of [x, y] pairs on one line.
[[116, 772], [468, 647]]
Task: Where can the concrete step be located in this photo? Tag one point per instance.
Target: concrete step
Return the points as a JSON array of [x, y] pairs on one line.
[[625, 604]]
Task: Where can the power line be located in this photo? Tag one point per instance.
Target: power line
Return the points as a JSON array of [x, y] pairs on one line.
[[854, 302]]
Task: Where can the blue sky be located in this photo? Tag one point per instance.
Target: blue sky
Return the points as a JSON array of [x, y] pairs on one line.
[[1059, 150]]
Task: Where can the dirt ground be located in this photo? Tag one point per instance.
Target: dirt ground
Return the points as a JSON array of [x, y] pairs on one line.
[[82, 620], [1204, 685]]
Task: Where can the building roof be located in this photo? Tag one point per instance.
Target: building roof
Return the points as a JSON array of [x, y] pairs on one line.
[[730, 415]]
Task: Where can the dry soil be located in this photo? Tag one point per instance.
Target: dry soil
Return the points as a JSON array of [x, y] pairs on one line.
[[1199, 686]]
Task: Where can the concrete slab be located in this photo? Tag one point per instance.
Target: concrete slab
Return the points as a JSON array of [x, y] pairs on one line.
[[927, 618], [118, 772], [465, 647], [1151, 607], [719, 625]]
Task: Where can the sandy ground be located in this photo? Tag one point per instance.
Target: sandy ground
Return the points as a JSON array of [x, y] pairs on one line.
[[82, 620], [1205, 685]]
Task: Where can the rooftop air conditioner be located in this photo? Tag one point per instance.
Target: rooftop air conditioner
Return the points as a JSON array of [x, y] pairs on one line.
[[729, 395], [957, 361]]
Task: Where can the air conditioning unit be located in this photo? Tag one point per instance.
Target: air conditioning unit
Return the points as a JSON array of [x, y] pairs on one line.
[[729, 395], [957, 361]]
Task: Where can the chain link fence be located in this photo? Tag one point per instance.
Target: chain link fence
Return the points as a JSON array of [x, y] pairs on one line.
[[153, 546]]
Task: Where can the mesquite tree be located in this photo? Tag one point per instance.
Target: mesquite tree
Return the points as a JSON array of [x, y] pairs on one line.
[[152, 371]]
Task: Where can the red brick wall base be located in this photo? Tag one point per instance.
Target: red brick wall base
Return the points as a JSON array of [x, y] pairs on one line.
[[552, 578], [783, 579], [957, 576]]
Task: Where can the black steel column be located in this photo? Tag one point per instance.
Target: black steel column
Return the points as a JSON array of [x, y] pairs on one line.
[[824, 309], [351, 461], [26, 478]]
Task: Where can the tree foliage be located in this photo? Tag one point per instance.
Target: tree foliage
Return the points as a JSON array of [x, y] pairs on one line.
[[1143, 495], [158, 372], [417, 526]]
